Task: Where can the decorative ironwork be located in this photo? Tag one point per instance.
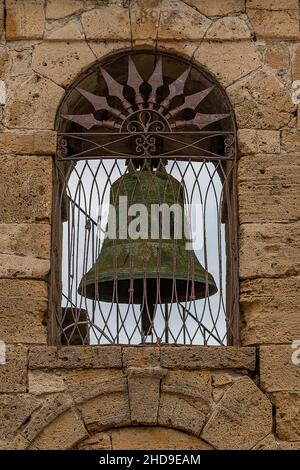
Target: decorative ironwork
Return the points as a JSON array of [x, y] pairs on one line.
[[136, 118]]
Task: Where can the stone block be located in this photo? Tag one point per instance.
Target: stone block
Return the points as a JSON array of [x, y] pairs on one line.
[[241, 419], [275, 24], [52, 406], [231, 28], [135, 356], [75, 357], [28, 100], [270, 310], [62, 61], [268, 189], [25, 19], [15, 409], [57, 9], [20, 62], [40, 382], [86, 384], [28, 142], [13, 374], [288, 416], [144, 19], [158, 438], [62, 434], [106, 411], [260, 101], [296, 62], [71, 31], [23, 311], [207, 357], [277, 56], [277, 370], [269, 250], [33, 200], [290, 141], [218, 7], [238, 59], [252, 141], [178, 21], [114, 20]]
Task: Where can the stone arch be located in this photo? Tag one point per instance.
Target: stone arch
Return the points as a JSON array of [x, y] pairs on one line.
[[108, 407]]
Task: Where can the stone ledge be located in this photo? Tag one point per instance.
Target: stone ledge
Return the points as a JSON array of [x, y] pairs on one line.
[[75, 357], [172, 357], [208, 357]]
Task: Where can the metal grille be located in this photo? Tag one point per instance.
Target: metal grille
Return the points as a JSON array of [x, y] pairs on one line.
[[157, 130]]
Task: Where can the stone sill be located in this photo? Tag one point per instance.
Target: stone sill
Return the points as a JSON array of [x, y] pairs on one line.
[[169, 357]]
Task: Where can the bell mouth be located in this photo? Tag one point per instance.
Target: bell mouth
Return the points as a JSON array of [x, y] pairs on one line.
[[163, 291]]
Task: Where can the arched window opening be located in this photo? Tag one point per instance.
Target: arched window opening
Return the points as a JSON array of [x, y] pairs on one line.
[[145, 220]]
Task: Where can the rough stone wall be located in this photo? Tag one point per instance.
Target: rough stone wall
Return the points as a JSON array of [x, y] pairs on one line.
[[90, 397]]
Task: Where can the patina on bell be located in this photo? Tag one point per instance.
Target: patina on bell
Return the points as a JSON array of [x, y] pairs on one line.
[[147, 271]]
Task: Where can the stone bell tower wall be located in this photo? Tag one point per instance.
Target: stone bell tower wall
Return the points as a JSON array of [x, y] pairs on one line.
[[197, 397]]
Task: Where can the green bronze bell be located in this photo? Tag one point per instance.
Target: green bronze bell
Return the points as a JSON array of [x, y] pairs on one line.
[[147, 271]]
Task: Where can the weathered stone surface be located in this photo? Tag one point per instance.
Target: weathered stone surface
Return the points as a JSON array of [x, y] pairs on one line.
[[268, 443], [159, 438], [1, 17], [102, 49], [185, 400], [207, 357], [289, 445], [57, 9], [288, 416], [275, 24], [268, 188], [270, 310], [40, 382], [13, 372], [12, 266], [23, 311], [28, 101], [221, 379], [217, 7], [51, 407], [61, 62], [261, 102], [33, 200], [70, 357], [63, 433], [217, 394], [269, 250], [240, 419], [290, 141], [16, 443], [86, 384], [181, 22], [28, 142], [25, 19], [252, 141], [141, 379], [278, 373], [114, 20], [20, 62], [144, 18], [72, 31], [238, 59], [277, 56], [25, 240], [4, 62], [296, 62], [106, 411], [229, 29], [141, 356], [273, 4], [99, 441], [15, 409]]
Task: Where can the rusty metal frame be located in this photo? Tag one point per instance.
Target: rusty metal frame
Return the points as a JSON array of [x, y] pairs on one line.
[[137, 124]]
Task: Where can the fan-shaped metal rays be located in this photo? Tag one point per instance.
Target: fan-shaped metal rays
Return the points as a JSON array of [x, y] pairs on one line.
[[141, 100]]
